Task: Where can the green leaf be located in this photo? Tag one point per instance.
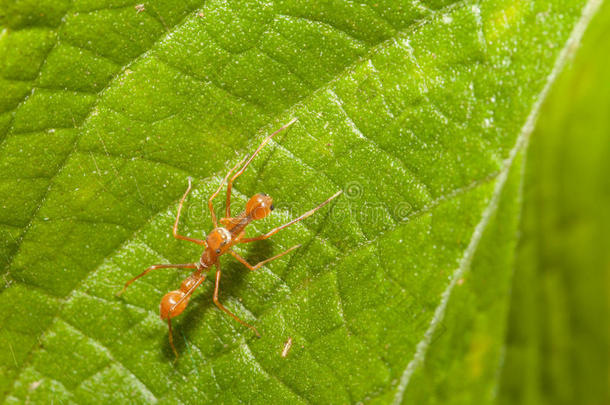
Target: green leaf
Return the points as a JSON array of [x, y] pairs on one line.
[[419, 111], [557, 347]]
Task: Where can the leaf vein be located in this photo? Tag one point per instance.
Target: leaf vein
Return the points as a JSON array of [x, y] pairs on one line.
[[521, 143]]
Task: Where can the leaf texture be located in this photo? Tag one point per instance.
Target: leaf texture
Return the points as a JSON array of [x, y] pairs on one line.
[[420, 112]]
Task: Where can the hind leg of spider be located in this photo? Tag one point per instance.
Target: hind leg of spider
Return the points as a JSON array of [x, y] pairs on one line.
[[261, 264], [177, 305], [286, 225], [175, 229], [222, 307], [171, 338], [154, 267], [236, 175]]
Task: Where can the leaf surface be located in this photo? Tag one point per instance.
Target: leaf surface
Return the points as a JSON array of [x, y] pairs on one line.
[[557, 343], [418, 111]]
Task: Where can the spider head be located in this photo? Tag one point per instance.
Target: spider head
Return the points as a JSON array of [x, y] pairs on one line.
[[218, 239]]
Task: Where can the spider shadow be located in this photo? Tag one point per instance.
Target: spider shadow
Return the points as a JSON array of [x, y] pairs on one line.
[[232, 285]]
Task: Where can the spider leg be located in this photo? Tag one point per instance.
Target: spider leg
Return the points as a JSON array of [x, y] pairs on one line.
[[286, 225], [154, 267], [260, 264], [223, 308], [236, 175], [175, 229]]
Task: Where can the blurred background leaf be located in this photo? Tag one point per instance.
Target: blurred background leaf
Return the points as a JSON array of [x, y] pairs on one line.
[[558, 340], [419, 111]]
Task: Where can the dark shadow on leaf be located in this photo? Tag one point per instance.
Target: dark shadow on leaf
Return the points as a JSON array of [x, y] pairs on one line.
[[231, 285]]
